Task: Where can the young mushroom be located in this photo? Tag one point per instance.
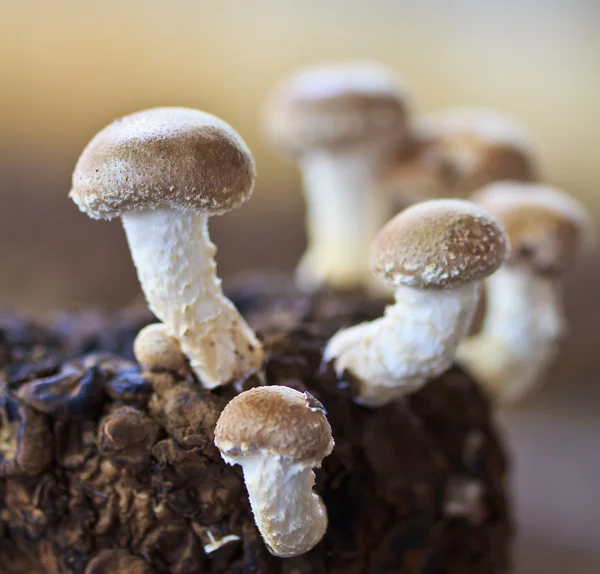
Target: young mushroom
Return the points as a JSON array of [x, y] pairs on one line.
[[154, 348], [435, 255], [343, 123], [165, 171], [278, 435], [458, 150], [524, 318]]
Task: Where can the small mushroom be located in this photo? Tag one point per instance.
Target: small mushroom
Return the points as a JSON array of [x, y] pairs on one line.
[[165, 171], [278, 435], [458, 150], [435, 255], [154, 348], [524, 319], [342, 123]]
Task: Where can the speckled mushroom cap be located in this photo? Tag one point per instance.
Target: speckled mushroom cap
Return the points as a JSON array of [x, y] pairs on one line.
[[177, 157], [277, 421], [546, 227], [337, 107], [438, 244]]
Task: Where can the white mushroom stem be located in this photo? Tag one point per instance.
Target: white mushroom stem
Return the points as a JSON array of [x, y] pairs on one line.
[[415, 340], [291, 518], [174, 258], [344, 212], [519, 336]]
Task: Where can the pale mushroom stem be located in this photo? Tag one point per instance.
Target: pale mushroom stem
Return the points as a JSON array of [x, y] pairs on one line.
[[520, 333], [174, 258], [415, 340], [344, 212], [291, 518]]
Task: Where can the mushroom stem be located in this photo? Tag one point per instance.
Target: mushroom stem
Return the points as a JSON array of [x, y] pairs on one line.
[[173, 254], [415, 340], [344, 213], [291, 518], [520, 333]]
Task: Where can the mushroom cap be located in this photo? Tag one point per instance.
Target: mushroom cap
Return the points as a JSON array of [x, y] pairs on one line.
[[277, 421], [483, 125], [547, 228], [176, 157], [438, 244], [456, 151], [337, 106]]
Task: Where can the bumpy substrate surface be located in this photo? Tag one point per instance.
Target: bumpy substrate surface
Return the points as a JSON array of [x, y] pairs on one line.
[[108, 469]]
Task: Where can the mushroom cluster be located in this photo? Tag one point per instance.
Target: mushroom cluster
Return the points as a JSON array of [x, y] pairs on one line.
[[363, 153], [165, 171]]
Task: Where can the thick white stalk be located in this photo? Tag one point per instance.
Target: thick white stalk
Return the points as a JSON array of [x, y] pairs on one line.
[[520, 333], [291, 518], [344, 211], [174, 258], [414, 341]]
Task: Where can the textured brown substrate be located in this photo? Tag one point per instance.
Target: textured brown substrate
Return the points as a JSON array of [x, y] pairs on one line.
[[108, 469]]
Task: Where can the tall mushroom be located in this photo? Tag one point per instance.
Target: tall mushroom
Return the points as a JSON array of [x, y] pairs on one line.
[[435, 255], [524, 319], [456, 151], [278, 435], [165, 171], [343, 123]]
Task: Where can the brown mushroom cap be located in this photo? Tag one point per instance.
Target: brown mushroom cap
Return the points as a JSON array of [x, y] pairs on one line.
[[275, 420], [177, 157], [479, 145], [477, 124], [438, 244], [455, 151], [336, 107], [546, 227]]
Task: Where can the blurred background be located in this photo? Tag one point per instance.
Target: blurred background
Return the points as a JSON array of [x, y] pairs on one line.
[[68, 68]]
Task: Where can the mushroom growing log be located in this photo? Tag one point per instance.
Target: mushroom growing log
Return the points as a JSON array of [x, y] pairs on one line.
[[411, 485]]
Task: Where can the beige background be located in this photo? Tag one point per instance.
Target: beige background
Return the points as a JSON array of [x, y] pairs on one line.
[[68, 67]]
